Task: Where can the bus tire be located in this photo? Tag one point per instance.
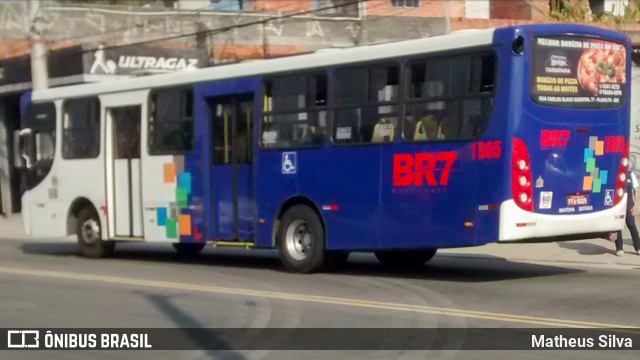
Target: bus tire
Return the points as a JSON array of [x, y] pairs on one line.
[[88, 231], [301, 240], [405, 258], [188, 249]]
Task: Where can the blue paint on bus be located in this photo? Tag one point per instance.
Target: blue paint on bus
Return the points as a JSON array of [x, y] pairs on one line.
[[374, 214]]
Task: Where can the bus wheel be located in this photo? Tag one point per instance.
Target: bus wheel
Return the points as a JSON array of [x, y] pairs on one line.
[[405, 258], [301, 240], [188, 249], [89, 235]]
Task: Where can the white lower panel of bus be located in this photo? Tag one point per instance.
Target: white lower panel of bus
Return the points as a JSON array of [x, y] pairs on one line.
[[517, 224], [128, 204]]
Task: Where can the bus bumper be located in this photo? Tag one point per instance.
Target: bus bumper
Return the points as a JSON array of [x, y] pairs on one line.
[[518, 225]]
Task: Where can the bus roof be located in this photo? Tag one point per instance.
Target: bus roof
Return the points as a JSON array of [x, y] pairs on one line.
[[271, 66], [319, 59]]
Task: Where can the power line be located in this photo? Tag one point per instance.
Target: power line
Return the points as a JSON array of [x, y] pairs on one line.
[[258, 22], [232, 27], [182, 14]]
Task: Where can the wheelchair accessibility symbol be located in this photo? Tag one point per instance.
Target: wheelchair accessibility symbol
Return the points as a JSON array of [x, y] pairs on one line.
[[608, 197], [289, 163]]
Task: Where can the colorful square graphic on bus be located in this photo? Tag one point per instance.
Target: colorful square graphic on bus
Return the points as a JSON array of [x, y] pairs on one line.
[[595, 178], [176, 217]]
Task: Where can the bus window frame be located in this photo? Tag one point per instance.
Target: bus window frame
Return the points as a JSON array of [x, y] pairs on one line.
[[263, 91], [154, 91], [36, 174], [369, 65], [64, 131], [477, 51]]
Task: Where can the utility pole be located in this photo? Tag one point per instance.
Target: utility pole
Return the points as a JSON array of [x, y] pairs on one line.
[[447, 15], [39, 70]]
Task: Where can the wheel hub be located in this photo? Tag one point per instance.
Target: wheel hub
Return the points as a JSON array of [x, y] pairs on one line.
[[298, 240], [90, 232]]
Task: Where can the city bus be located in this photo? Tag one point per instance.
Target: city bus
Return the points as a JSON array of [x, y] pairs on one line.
[[516, 134]]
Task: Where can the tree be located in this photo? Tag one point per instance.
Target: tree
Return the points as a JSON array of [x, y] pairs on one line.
[[570, 10], [581, 11]]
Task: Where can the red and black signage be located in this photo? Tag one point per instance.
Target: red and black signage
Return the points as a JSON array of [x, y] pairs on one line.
[[425, 168], [554, 138]]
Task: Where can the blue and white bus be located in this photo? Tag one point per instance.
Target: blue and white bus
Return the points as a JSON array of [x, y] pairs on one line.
[[515, 134]]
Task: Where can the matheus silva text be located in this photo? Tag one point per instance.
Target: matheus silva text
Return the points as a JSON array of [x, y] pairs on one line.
[[561, 341]]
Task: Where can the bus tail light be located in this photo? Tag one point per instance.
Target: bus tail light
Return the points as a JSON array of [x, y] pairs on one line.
[[521, 189], [621, 179]]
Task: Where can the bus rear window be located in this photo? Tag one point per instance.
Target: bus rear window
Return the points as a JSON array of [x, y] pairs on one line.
[[578, 72]]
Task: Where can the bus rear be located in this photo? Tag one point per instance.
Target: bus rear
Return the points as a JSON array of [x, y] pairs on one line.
[[569, 137]]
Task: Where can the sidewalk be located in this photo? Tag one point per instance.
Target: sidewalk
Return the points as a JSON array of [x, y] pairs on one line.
[[593, 252], [11, 227]]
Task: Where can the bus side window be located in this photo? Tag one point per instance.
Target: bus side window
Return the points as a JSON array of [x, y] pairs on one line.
[[426, 128], [482, 74], [383, 131], [81, 128], [485, 114], [385, 83], [452, 120], [471, 115], [171, 121], [456, 90], [350, 94], [294, 111], [366, 114]]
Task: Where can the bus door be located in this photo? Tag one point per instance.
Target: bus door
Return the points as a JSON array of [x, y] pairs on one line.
[[125, 204], [232, 197]]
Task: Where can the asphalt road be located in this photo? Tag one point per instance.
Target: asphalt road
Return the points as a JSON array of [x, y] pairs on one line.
[[46, 285]]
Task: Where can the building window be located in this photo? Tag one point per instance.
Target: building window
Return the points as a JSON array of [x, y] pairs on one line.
[[295, 111], [348, 8], [171, 122], [230, 5], [449, 98], [81, 128], [369, 113], [406, 3]]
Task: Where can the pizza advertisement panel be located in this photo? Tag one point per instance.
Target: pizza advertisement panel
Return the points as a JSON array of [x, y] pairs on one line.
[[578, 72]]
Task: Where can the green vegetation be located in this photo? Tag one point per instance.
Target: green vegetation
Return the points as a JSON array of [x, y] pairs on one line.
[[580, 11]]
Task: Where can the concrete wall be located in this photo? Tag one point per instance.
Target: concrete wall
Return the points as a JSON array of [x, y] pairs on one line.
[[477, 9], [381, 22], [68, 26]]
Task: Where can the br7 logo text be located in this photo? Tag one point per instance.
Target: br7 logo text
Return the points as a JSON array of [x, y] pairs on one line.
[[414, 169]]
